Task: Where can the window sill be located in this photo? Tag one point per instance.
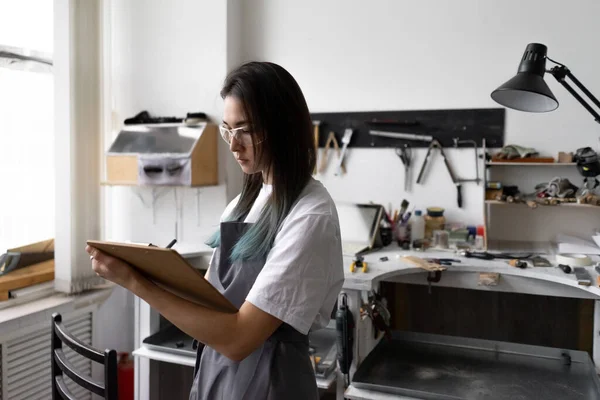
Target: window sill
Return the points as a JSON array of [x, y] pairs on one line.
[[17, 314]]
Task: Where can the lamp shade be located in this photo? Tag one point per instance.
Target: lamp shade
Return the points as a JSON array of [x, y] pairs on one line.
[[527, 91]]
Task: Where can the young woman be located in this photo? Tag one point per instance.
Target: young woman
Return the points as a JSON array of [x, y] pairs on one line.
[[277, 256]]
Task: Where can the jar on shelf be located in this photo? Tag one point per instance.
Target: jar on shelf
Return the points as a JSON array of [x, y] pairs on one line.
[[434, 221]]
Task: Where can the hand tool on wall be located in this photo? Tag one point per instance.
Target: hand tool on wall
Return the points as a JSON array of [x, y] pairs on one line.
[[436, 144], [344, 324], [405, 155], [345, 142], [474, 143], [397, 135], [331, 142]]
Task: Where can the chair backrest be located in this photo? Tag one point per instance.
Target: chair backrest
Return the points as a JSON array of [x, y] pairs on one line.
[[60, 365]]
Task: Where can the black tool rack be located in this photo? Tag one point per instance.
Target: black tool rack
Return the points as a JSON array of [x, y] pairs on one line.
[[443, 125]]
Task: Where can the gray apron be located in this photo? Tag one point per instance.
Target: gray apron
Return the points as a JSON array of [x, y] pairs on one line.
[[279, 369]]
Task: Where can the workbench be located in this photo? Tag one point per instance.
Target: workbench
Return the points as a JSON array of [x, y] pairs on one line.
[[549, 281]]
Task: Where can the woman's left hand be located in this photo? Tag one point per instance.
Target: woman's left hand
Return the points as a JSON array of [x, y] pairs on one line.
[[112, 268]]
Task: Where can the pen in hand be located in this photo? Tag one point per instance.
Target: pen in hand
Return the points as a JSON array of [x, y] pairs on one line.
[[172, 243]]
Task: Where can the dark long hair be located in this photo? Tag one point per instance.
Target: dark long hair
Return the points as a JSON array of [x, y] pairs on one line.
[[277, 111]]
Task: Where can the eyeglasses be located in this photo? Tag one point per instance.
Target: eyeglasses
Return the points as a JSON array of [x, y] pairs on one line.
[[241, 134]]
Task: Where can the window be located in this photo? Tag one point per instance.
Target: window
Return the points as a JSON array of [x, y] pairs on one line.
[[26, 124]]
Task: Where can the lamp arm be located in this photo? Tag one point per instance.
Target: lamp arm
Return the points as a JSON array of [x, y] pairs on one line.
[[560, 72]]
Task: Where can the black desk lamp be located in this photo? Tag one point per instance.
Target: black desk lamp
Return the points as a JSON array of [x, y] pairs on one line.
[[528, 91]]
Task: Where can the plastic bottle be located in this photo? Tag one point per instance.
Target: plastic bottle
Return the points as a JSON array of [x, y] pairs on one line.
[[479, 239], [417, 227]]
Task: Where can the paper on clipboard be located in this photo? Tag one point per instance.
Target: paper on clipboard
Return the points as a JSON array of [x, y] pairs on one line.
[[169, 270]]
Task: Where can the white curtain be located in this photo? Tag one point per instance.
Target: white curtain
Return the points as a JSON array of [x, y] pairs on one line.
[[78, 116]]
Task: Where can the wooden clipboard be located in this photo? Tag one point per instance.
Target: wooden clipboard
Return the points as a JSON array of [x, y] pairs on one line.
[[169, 270]]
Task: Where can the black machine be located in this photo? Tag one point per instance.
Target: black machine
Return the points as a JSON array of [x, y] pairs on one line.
[[588, 165], [344, 323]]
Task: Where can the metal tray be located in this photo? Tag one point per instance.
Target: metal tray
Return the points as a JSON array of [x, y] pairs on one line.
[[171, 340], [428, 366]]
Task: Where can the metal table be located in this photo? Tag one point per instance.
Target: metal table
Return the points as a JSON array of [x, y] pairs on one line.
[[428, 366]]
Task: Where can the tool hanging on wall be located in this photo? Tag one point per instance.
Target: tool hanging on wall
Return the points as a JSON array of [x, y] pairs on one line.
[[344, 324], [331, 142], [405, 155], [457, 141], [316, 133], [345, 142], [457, 183], [397, 135]]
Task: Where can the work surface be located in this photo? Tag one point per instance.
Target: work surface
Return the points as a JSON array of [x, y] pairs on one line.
[[443, 367], [465, 274]]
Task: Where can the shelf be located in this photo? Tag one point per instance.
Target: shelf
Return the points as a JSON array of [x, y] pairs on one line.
[[177, 155], [530, 164], [575, 205], [322, 383], [165, 356]]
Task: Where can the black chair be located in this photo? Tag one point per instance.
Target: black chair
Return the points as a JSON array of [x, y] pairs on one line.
[[60, 365]]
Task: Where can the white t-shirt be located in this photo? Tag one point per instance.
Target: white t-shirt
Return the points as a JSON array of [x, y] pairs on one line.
[[304, 272]]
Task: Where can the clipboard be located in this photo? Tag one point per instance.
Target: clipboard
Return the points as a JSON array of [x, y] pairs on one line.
[[170, 271]]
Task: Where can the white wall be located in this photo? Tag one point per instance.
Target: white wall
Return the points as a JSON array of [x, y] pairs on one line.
[[168, 58], [405, 55], [171, 57]]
